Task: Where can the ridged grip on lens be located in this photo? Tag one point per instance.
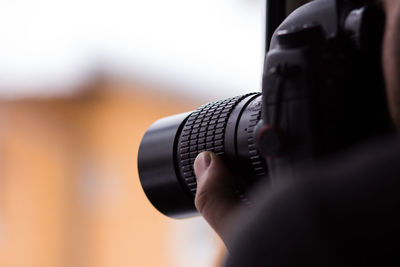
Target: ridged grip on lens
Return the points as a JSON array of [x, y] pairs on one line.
[[242, 153], [204, 130], [250, 120]]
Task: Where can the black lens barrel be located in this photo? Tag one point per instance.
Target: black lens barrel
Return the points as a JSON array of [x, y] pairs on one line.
[[157, 172], [170, 146]]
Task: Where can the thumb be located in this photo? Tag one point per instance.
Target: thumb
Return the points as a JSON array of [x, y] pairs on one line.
[[216, 197]]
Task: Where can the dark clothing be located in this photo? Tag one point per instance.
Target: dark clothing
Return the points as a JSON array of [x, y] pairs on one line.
[[342, 214]]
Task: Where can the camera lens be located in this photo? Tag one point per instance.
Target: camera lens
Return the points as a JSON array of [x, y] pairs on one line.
[[170, 146]]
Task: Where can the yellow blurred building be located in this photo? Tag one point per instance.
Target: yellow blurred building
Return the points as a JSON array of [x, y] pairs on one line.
[[69, 189]]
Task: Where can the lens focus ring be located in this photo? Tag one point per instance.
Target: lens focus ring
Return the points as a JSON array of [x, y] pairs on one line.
[[204, 130]]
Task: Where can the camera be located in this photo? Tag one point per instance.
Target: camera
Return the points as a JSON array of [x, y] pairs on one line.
[[322, 93]]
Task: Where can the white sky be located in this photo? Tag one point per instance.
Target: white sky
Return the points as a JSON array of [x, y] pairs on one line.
[[210, 48]]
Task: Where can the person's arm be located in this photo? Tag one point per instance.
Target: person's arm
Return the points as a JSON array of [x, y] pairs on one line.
[[343, 213]]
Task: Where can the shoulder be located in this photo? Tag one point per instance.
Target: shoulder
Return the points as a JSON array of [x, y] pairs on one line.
[[342, 213]]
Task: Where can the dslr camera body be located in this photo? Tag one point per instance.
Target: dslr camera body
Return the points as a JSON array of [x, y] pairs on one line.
[[323, 92]]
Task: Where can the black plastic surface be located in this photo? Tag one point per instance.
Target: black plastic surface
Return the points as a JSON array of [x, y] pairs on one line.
[[157, 171]]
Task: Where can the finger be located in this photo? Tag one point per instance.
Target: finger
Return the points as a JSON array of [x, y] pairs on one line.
[[216, 197]]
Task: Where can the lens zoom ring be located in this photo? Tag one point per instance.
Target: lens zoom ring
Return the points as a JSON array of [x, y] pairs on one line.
[[258, 163], [203, 131]]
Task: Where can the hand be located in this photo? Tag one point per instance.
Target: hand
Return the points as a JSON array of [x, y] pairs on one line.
[[216, 198]]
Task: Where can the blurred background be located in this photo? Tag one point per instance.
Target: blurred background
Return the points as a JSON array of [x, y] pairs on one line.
[[80, 82]]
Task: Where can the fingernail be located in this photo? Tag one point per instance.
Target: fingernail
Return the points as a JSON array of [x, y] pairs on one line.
[[202, 162]]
